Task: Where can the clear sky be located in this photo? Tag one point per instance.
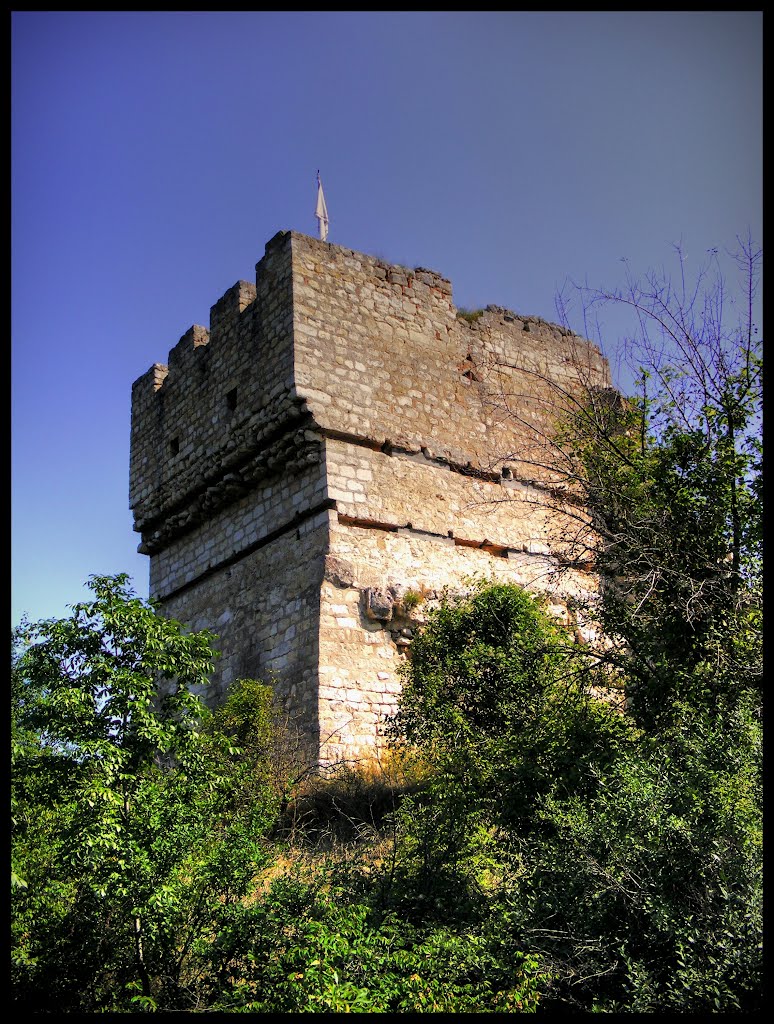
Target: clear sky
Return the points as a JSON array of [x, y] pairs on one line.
[[155, 153]]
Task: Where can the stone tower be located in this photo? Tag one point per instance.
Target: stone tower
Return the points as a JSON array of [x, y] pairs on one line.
[[341, 445]]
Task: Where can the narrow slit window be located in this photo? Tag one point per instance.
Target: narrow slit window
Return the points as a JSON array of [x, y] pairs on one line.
[[174, 446], [231, 399]]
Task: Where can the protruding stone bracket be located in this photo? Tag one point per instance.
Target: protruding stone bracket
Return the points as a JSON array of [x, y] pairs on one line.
[[379, 604]]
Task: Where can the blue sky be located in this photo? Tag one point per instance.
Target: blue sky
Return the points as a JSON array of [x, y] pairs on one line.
[[155, 153]]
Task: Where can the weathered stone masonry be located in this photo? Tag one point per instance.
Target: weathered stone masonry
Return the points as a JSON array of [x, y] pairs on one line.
[[310, 473]]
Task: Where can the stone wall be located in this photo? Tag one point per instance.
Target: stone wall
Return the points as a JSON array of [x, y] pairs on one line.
[[340, 437], [366, 623], [264, 607], [382, 355], [224, 399]]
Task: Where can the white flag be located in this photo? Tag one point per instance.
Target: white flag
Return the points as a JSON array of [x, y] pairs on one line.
[[321, 213]]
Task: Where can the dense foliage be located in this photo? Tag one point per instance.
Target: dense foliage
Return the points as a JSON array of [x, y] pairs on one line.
[[672, 478], [627, 861], [127, 845], [551, 852], [147, 869]]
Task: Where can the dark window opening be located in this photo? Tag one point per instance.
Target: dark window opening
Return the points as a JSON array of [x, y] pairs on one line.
[[174, 446], [231, 399]]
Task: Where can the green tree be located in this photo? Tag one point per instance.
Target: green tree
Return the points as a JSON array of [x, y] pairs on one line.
[[627, 861], [671, 479], [499, 690], [128, 834], [498, 696]]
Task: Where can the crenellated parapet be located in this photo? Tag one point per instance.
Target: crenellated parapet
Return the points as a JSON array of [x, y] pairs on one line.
[[212, 415]]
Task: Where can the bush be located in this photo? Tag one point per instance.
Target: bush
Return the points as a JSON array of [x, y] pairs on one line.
[[628, 863]]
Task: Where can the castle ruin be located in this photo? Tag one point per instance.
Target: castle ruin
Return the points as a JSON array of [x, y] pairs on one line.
[[342, 444]]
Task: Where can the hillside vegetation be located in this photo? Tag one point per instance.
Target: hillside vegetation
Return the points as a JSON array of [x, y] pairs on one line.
[[524, 845]]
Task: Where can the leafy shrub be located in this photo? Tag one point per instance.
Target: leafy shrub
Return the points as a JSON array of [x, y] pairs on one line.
[[310, 949]]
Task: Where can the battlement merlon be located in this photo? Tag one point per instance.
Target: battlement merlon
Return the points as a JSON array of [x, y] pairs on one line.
[[149, 382], [231, 305], [223, 313]]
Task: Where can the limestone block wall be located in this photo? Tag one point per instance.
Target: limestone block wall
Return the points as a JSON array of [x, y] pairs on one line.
[[408, 524], [224, 395], [264, 607], [227, 486], [428, 496], [366, 631], [436, 435], [274, 506]]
